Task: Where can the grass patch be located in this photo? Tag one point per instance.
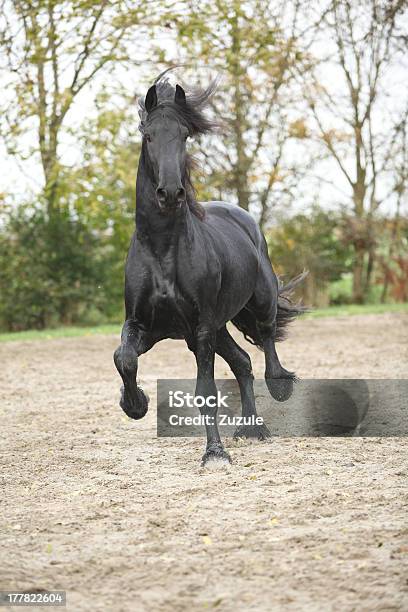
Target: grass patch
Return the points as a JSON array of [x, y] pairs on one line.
[[60, 332], [68, 332], [355, 309]]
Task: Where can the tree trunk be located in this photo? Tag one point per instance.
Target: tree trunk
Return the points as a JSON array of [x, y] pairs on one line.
[[358, 276], [394, 234], [49, 159], [50, 191], [384, 293], [360, 238], [370, 268], [239, 122]]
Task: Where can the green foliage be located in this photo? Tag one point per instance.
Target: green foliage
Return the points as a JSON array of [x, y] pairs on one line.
[[49, 273], [69, 268], [341, 290], [313, 242], [101, 189]]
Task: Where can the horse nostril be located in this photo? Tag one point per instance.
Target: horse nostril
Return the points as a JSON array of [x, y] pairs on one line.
[[180, 194], [161, 194]]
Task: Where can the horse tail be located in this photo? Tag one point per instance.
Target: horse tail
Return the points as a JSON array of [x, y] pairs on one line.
[[287, 311]]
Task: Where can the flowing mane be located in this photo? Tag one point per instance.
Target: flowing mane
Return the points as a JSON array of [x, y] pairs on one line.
[[191, 115]]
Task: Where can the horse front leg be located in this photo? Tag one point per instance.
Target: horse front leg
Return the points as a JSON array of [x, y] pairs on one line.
[[205, 387], [133, 400]]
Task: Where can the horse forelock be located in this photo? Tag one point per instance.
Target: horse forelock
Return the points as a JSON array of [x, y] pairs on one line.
[[190, 114]]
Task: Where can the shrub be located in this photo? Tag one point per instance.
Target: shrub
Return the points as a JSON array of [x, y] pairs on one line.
[[49, 270]]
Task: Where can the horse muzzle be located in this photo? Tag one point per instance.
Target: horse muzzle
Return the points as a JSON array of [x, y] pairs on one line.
[[170, 200]]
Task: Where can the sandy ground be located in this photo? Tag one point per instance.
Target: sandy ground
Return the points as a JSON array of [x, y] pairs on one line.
[[95, 504]]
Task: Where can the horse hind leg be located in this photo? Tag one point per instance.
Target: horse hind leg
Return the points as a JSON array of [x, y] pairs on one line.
[[272, 328], [240, 364], [133, 400], [278, 380], [259, 324]]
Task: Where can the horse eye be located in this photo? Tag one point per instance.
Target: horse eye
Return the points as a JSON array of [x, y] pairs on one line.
[[186, 137], [148, 138]]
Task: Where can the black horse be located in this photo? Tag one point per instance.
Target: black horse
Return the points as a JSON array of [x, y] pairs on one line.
[[193, 267]]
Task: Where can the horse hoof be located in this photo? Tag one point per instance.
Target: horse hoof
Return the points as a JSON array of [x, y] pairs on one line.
[[215, 455], [137, 408], [280, 388], [261, 432]]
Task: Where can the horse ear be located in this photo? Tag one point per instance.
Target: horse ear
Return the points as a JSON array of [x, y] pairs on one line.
[[180, 96], [151, 99]]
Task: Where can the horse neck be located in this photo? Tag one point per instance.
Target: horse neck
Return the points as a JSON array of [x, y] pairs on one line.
[[160, 232]]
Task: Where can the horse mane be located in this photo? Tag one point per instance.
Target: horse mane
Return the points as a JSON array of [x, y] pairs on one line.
[[192, 116]]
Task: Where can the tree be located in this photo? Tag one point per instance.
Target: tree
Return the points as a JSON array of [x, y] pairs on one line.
[[250, 163], [310, 241], [52, 50], [396, 252], [101, 188], [69, 269], [49, 270], [352, 117]]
